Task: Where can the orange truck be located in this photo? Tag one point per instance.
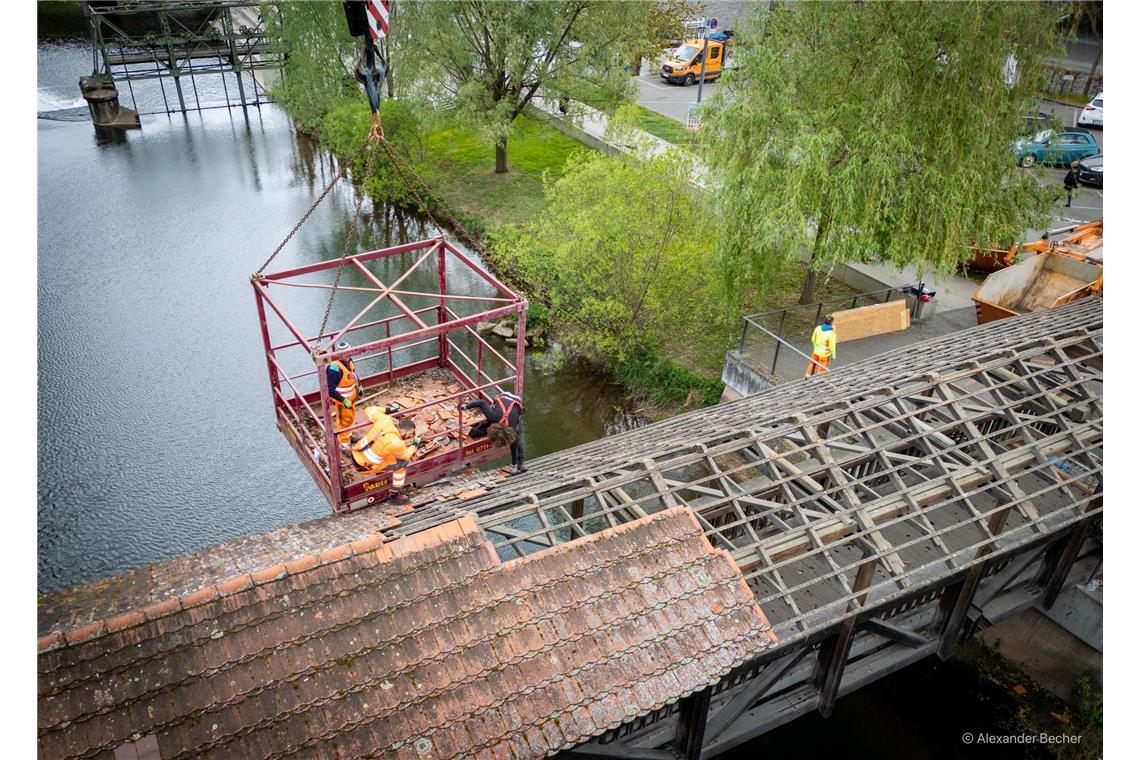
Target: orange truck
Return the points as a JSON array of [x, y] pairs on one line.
[[1084, 240], [683, 65], [1060, 272]]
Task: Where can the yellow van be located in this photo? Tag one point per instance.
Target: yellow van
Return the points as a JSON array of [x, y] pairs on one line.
[[683, 66]]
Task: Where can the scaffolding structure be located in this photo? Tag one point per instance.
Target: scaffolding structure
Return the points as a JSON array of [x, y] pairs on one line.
[[184, 41], [874, 511]]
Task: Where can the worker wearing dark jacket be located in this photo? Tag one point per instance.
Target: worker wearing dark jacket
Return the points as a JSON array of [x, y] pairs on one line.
[[1071, 183], [344, 390], [502, 423]]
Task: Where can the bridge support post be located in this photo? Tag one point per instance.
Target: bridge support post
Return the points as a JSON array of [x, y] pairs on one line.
[[691, 720], [690, 736], [955, 607], [833, 653], [1054, 580]]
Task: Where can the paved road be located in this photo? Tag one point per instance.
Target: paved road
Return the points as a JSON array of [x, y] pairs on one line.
[[672, 100], [1088, 202]]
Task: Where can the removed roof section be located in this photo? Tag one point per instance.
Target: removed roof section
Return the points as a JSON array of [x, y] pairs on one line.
[[427, 647]]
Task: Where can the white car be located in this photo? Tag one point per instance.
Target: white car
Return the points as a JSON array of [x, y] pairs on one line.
[[1093, 115]]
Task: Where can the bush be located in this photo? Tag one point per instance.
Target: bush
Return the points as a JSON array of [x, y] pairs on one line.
[[344, 129], [664, 382]]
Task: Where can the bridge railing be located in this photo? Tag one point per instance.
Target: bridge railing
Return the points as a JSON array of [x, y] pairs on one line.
[[769, 336]]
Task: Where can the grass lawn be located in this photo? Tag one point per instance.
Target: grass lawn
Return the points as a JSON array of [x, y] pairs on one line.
[[466, 169], [668, 129]]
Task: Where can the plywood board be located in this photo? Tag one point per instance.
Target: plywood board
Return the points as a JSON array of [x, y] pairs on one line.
[[852, 324]]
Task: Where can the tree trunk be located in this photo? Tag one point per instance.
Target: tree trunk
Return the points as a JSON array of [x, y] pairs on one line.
[[1092, 71], [501, 156], [808, 293]]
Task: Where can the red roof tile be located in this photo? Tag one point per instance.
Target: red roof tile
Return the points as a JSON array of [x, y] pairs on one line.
[[424, 647]]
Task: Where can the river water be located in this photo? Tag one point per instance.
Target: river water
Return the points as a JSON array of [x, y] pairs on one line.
[[156, 434]]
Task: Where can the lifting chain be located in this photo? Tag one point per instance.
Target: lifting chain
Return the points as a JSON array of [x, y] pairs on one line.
[[351, 234], [403, 169], [328, 188]]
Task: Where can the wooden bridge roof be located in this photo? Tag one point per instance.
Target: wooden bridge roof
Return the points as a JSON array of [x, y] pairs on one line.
[[426, 647], [864, 485]]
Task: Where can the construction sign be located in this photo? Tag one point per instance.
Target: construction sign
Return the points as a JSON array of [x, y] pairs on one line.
[[693, 120]]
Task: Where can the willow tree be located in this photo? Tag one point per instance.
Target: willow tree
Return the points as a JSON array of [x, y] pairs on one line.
[[318, 70], [860, 130], [489, 60]]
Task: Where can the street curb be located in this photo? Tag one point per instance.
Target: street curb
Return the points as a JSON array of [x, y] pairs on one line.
[[1060, 102]]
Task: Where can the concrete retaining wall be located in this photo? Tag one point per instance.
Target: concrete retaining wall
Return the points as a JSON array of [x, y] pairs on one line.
[[739, 379], [567, 128]]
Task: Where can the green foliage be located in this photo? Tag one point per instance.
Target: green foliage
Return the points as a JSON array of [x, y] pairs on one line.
[[876, 130], [1092, 703], [618, 256], [664, 382], [317, 73], [537, 316], [488, 61], [344, 127]]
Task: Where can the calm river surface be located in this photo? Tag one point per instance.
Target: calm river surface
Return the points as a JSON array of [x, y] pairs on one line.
[[156, 435]]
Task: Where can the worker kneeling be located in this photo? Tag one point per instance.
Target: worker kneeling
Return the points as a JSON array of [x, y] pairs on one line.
[[385, 448], [822, 347]]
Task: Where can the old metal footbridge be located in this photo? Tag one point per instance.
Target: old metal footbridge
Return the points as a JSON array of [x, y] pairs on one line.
[[667, 592]]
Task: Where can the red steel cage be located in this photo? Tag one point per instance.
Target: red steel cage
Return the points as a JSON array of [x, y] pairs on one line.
[[392, 354]]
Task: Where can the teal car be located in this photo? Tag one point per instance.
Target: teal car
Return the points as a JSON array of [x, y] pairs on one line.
[[1052, 147]]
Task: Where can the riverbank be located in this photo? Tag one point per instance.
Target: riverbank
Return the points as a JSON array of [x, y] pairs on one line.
[[682, 371], [458, 167]]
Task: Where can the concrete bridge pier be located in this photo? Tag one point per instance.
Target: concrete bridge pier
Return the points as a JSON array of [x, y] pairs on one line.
[[103, 101]]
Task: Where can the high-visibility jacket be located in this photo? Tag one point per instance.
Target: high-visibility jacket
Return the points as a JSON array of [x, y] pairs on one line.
[[381, 423], [385, 451], [346, 386], [823, 342]]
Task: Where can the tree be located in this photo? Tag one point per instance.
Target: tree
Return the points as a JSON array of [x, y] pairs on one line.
[[318, 70], [489, 60], [619, 255], [882, 129]]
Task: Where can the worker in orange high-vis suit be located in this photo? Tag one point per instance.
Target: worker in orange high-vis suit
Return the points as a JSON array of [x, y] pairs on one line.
[[388, 450], [822, 347], [381, 423], [344, 390]]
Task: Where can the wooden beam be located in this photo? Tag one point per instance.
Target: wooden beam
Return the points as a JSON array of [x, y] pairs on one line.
[[691, 719], [895, 633], [750, 692]]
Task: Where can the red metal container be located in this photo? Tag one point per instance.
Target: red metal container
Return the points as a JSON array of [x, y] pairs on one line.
[[382, 349]]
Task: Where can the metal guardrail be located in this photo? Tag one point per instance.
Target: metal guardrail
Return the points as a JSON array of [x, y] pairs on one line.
[[764, 331]]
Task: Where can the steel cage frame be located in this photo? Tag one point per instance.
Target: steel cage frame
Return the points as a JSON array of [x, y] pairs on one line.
[[293, 407]]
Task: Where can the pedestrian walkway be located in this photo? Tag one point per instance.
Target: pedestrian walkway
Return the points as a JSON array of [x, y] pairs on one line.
[[953, 291]]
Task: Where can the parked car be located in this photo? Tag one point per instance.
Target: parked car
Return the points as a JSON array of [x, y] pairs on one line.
[[1051, 147], [1093, 115], [1090, 171]]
